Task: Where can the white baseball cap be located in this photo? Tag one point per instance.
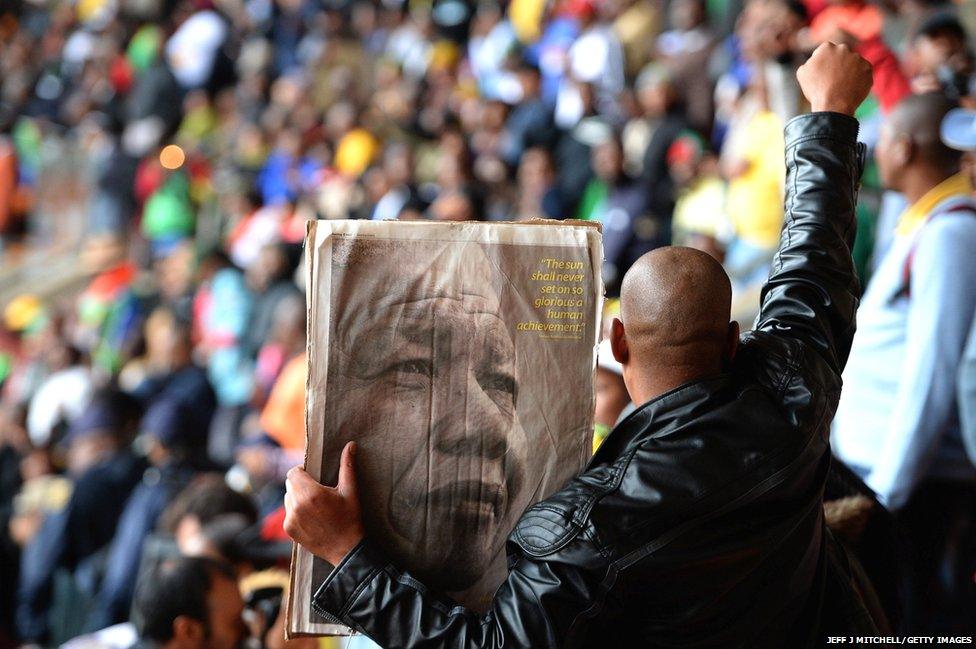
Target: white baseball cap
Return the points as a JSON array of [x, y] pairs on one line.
[[959, 129]]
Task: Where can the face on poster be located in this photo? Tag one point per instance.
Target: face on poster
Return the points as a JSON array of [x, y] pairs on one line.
[[429, 371]]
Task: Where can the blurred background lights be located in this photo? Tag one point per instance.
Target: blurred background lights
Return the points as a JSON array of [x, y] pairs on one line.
[[172, 157]]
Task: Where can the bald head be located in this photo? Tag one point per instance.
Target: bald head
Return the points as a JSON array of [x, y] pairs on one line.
[[675, 306], [917, 120]]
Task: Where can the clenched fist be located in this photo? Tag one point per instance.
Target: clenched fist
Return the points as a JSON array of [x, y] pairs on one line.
[[835, 79], [324, 520]]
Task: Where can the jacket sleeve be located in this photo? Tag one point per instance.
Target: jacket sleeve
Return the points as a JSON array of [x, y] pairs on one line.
[[546, 602], [812, 291]]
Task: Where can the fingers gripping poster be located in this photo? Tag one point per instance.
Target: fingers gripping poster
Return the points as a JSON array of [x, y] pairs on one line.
[[460, 358]]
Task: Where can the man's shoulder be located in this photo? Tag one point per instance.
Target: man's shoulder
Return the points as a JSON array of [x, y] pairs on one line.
[[552, 524], [661, 467], [664, 477], [950, 229], [786, 368]]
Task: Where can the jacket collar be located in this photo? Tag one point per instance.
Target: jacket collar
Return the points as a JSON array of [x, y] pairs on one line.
[[658, 417]]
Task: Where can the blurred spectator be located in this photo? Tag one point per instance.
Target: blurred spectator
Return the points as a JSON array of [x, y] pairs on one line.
[[647, 137], [460, 204], [700, 209], [194, 48], [285, 343], [491, 42], [769, 33], [620, 204], [401, 189], [108, 319], [860, 25], [175, 270], [190, 603], [685, 49], [941, 59], [538, 194], [169, 373], [63, 394], [113, 201], [103, 473], [596, 58], [14, 197], [222, 312], [636, 25], [612, 398], [897, 424], [751, 163], [175, 456], [283, 421], [205, 500], [530, 123], [269, 279]]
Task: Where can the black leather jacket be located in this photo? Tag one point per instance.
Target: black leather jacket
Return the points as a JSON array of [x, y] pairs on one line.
[[699, 522]]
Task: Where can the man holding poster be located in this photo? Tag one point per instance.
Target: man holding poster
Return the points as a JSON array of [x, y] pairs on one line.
[[699, 522]]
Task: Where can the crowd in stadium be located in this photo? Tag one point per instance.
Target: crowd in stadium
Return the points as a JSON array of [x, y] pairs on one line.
[[154, 412]]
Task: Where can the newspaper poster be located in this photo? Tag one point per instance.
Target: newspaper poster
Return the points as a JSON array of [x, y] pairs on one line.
[[460, 357]]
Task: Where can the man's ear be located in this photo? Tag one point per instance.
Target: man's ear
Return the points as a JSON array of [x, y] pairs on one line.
[[731, 342], [903, 151], [618, 342], [188, 632]]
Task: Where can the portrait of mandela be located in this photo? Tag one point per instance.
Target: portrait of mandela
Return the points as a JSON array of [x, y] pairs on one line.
[[425, 374]]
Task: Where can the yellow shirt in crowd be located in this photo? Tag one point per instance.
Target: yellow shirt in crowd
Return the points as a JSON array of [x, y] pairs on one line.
[[755, 198], [700, 209]]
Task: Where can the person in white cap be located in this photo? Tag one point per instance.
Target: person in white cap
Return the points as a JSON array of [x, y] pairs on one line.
[[897, 423]]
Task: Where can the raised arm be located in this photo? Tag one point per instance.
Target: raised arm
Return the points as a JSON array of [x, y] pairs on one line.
[[811, 294]]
